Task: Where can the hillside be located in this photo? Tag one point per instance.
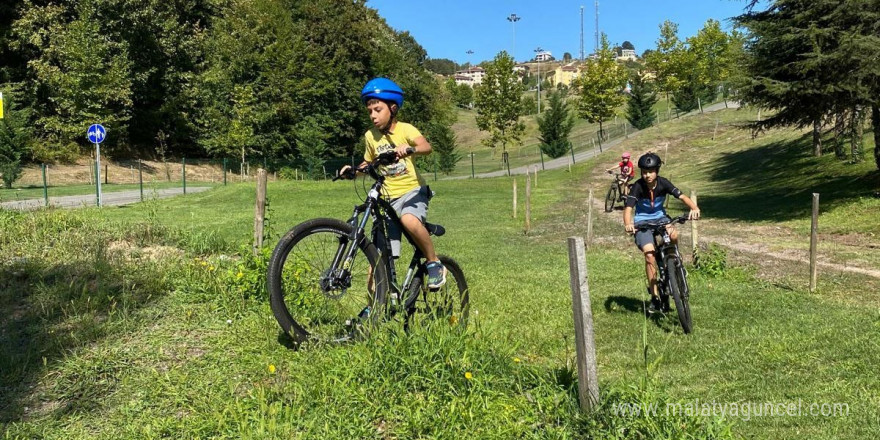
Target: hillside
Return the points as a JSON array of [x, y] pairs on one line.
[[151, 321]]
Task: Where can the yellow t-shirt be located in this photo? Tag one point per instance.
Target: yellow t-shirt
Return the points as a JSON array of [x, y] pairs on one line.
[[400, 178]]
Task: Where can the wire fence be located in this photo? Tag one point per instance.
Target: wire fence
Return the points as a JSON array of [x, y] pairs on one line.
[[48, 181]]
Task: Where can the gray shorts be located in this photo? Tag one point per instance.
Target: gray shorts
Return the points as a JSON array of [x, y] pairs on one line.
[[414, 202], [644, 237]]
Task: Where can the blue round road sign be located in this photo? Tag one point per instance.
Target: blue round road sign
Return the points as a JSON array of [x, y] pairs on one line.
[[96, 133]]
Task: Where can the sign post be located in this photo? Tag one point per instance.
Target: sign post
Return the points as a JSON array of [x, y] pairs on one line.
[[96, 135]]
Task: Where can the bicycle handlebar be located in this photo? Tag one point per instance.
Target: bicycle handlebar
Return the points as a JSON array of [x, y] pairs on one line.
[[386, 158], [654, 225]]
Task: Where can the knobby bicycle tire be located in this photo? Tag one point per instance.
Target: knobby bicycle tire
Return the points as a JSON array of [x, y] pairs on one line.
[[304, 305], [450, 303], [679, 289], [610, 198]]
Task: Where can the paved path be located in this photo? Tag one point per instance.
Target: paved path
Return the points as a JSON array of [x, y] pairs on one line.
[[109, 198], [562, 162]]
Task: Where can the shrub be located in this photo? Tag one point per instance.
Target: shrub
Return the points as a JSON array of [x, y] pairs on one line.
[[712, 260]]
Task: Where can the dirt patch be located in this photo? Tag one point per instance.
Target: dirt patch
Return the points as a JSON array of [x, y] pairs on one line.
[[82, 172], [129, 251], [756, 242]]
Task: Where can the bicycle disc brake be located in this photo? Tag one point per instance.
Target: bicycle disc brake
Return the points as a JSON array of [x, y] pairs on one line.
[[335, 285]]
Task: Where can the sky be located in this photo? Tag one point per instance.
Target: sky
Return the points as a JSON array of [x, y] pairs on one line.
[[450, 28]]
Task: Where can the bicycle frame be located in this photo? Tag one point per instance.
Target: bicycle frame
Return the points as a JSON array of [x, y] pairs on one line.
[[664, 247], [381, 212]]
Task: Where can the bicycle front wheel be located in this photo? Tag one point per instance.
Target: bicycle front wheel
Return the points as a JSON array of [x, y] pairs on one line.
[[315, 293], [450, 304], [678, 287], [610, 198]]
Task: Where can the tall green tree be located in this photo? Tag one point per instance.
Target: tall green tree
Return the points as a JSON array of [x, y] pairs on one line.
[[497, 102], [443, 142], [86, 76], [15, 134], [601, 87], [796, 53], [666, 60], [640, 104], [555, 125]]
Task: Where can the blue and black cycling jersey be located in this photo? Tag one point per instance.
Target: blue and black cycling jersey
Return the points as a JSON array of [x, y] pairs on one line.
[[649, 203]]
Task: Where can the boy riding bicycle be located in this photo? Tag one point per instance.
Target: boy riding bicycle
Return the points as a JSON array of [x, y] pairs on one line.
[[647, 197], [626, 174], [404, 188]]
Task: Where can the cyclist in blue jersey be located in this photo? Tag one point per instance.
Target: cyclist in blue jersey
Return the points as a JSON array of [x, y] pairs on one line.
[[646, 197]]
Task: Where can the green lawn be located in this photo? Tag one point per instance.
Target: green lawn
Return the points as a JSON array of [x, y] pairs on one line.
[[135, 323]]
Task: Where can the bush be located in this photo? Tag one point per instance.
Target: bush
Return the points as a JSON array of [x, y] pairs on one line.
[[711, 260], [55, 152], [556, 149]]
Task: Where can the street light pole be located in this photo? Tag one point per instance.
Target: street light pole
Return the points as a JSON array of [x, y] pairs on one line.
[[513, 18], [538, 52]]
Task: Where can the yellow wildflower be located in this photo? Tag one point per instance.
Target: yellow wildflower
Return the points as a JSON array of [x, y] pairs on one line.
[[468, 375], [517, 360], [271, 369]]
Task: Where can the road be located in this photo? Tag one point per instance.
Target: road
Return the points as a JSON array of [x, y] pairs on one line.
[[562, 162], [115, 198]]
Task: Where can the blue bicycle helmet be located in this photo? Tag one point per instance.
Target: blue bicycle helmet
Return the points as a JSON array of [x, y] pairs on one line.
[[383, 89]]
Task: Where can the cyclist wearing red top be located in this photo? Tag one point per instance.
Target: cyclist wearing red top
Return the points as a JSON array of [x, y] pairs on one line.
[[627, 173]]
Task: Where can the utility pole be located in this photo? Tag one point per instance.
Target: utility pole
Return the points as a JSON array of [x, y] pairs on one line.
[[596, 50], [470, 64], [538, 52], [513, 18], [582, 34]]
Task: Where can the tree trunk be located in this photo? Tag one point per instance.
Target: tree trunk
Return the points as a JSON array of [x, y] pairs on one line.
[[856, 134], [817, 139], [839, 125], [875, 116]]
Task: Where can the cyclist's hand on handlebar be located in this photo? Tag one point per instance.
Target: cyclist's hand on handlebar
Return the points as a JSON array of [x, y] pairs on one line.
[[694, 214], [404, 151], [346, 172]]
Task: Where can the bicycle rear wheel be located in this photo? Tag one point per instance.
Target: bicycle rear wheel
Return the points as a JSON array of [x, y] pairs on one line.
[[610, 198], [312, 302], [449, 304], [679, 289]]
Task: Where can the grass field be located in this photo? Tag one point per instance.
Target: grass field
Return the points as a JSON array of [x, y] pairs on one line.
[[527, 152], [151, 321]]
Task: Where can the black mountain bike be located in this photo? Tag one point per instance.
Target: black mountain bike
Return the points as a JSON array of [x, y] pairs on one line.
[[329, 282], [614, 192], [672, 279]]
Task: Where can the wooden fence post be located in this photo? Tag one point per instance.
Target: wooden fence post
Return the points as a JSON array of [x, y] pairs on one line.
[[814, 238], [528, 202], [590, 218], [514, 198], [714, 132], [536, 176], [260, 210], [588, 380], [694, 239]]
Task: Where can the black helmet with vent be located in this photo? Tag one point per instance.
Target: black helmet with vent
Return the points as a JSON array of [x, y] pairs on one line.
[[650, 160]]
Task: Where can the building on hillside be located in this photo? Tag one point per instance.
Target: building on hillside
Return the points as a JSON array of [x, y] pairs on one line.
[[565, 74], [472, 76], [627, 55], [464, 79], [544, 56]]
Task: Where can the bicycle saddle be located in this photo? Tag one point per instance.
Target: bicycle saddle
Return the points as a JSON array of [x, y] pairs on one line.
[[435, 229]]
